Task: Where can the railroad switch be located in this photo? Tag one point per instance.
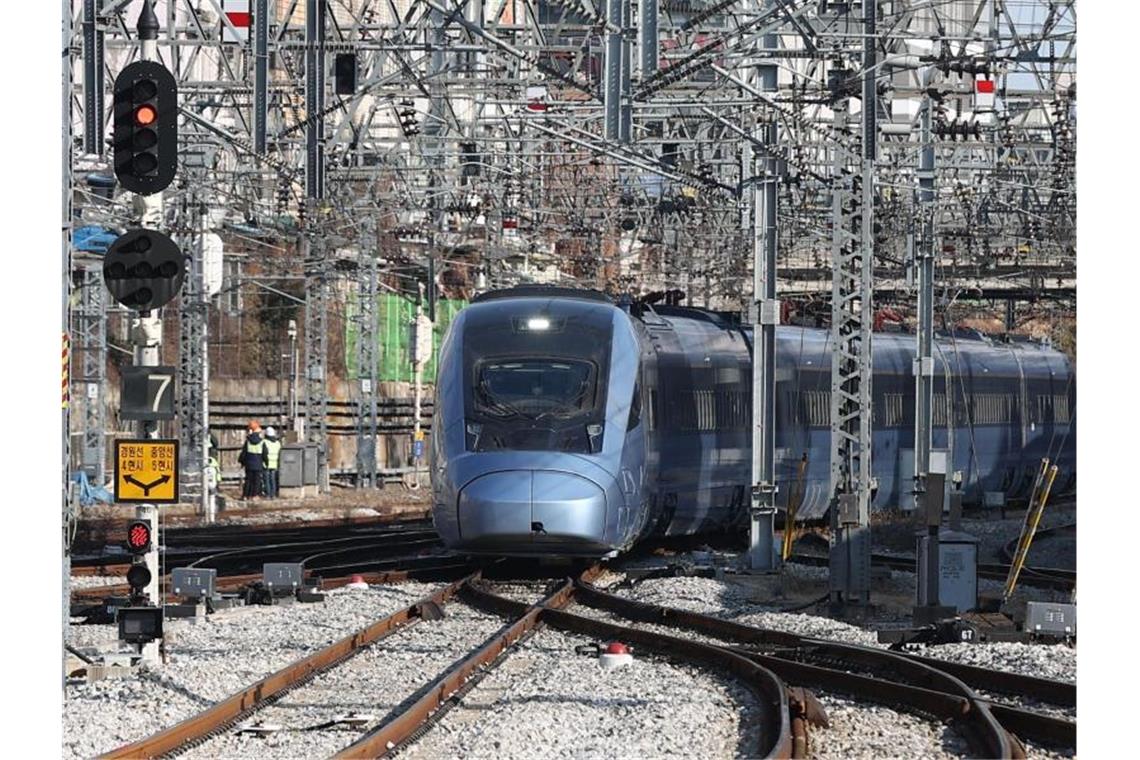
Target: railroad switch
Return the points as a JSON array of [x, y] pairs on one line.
[[967, 628]]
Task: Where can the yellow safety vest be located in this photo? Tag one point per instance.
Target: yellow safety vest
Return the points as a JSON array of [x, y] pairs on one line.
[[274, 449], [255, 448]]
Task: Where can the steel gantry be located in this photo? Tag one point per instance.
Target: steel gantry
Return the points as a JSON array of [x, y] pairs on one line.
[[367, 344], [194, 358], [89, 347]]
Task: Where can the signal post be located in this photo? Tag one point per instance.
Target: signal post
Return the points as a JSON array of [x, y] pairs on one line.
[[144, 270]]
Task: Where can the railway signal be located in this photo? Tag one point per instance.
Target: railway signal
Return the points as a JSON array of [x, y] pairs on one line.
[[138, 537], [146, 127], [144, 269], [139, 542]]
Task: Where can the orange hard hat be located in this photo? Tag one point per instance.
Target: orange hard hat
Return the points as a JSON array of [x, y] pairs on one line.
[[254, 425]]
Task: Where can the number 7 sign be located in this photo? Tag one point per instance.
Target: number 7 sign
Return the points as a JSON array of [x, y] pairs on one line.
[[147, 393]]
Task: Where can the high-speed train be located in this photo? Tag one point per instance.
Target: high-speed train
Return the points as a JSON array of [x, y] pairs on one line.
[[569, 425]]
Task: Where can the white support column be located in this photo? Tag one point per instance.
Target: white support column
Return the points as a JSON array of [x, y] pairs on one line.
[[147, 328]]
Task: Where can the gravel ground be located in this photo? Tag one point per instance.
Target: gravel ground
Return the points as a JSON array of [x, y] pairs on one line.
[[1028, 703], [729, 601], [547, 700], [519, 591], [861, 730], [1056, 662], [726, 600], [1054, 550], [211, 659], [858, 729], [1038, 752], [95, 581], [374, 682], [993, 533]]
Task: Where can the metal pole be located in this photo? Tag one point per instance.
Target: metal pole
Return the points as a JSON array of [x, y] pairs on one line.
[[148, 338], [766, 313], [92, 78], [612, 79], [647, 37], [260, 73], [849, 565], [314, 98], [625, 115], [293, 374], [68, 513], [314, 253], [209, 504], [418, 363], [924, 360]]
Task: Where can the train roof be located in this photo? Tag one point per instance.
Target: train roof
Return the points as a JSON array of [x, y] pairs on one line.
[[543, 291]]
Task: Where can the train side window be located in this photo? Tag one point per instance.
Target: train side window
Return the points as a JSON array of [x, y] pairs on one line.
[[893, 411], [1061, 409], [635, 406], [940, 410]]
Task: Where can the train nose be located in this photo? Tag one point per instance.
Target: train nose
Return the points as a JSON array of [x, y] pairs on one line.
[[522, 509]]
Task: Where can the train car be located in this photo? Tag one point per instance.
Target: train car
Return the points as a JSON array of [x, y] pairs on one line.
[[568, 425]]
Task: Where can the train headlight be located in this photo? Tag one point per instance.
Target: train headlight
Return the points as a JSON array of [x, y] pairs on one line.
[[538, 323]]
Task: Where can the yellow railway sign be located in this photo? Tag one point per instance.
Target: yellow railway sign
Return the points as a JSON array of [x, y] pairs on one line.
[[146, 470]]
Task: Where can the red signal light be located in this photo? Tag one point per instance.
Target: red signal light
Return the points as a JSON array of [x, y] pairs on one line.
[[138, 537], [145, 115]]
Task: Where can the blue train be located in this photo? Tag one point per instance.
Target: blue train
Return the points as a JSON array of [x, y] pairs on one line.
[[568, 425]]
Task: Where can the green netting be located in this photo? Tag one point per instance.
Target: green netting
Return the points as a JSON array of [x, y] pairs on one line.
[[394, 316]]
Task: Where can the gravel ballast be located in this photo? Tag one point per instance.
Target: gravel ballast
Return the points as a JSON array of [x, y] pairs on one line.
[[374, 682], [210, 660], [96, 581], [547, 701], [1056, 662], [871, 732], [728, 601]]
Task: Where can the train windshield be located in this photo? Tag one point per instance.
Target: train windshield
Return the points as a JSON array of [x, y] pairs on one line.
[[535, 374], [535, 388]]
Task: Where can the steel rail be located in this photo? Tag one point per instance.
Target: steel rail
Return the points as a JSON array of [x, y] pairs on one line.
[[1061, 693], [986, 736], [300, 550], [256, 696], [394, 732], [1042, 575], [770, 691], [1026, 723], [772, 696], [176, 538], [415, 568]]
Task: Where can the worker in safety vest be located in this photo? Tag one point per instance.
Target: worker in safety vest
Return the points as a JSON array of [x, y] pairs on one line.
[[272, 456], [253, 458]]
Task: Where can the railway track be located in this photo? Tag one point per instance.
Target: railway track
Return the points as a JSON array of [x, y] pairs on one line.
[[380, 550], [188, 544], [774, 666], [944, 689], [426, 706], [1034, 575], [214, 721]]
